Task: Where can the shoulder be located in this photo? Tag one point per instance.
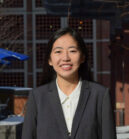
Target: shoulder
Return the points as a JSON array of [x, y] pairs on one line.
[[95, 87], [40, 94], [41, 90]]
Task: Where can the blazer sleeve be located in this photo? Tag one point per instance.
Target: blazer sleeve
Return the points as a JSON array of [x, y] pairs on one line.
[[108, 123], [29, 126]]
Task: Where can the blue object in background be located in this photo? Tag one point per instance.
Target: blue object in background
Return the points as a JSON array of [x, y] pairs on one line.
[[6, 56], [5, 62]]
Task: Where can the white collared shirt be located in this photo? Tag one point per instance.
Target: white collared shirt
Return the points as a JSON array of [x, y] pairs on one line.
[[69, 104]]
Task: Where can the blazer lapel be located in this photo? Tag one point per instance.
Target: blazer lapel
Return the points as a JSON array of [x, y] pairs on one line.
[[57, 109], [81, 107]]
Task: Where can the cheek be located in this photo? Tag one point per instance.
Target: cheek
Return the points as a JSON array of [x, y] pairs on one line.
[[54, 60], [79, 60]]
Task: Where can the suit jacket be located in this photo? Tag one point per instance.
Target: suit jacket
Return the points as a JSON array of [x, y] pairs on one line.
[[93, 118]]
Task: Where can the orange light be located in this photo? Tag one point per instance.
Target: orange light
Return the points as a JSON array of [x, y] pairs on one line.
[[81, 22], [118, 38], [126, 31]]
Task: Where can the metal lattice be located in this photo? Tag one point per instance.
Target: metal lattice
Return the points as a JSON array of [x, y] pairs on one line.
[[39, 3], [40, 53], [11, 79], [45, 25], [89, 47], [39, 78], [84, 26], [11, 3], [11, 27]]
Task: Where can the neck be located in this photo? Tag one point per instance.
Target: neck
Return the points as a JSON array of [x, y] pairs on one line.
[[67, 85]]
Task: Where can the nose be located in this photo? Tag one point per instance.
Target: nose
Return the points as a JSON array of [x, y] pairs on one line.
[[66, 56]]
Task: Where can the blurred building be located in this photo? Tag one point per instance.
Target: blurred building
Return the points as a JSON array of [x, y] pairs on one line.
[[27, 30]]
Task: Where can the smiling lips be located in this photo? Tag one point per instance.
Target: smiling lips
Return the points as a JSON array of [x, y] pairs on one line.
[[66, 66]]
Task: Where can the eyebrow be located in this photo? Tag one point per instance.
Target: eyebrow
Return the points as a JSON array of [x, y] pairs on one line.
[[58, 47]]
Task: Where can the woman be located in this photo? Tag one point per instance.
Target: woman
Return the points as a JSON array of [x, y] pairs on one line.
[[68, 106]]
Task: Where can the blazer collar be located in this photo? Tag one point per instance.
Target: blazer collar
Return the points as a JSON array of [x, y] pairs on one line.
[[57, 109], [81, 107]]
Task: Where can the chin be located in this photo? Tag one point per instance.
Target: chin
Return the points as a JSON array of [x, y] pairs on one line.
[[68, 76]]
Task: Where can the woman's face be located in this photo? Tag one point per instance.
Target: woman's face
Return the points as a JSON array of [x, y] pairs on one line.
[[66, 57]]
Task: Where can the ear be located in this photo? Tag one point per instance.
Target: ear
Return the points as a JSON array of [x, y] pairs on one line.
[[49, 62]]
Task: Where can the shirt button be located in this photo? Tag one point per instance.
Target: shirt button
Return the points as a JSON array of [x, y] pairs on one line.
[[67, 106], [69, 134]]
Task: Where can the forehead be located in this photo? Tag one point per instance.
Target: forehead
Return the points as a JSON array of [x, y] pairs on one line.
[[65, 41]]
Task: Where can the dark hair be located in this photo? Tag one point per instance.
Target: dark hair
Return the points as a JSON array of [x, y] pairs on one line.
[[48, 72]]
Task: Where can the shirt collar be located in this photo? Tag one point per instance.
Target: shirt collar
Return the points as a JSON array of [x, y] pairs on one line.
[[75, 94]]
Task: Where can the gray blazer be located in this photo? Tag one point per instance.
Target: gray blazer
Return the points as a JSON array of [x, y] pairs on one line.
[[93, 118]]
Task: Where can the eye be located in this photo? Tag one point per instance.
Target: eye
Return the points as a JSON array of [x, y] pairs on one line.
[[57, 52], [73, 51]]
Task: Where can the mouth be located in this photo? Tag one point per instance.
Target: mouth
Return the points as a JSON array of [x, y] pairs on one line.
[[66, 66]]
